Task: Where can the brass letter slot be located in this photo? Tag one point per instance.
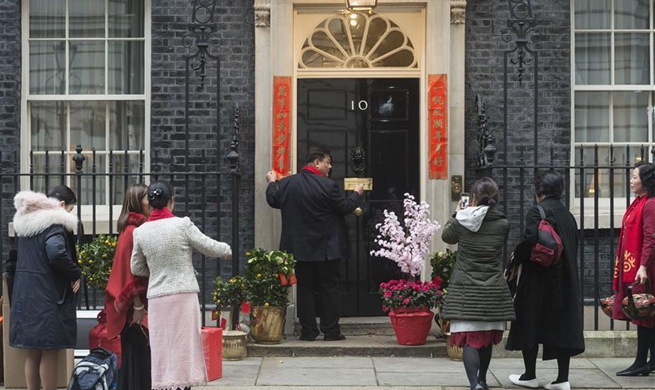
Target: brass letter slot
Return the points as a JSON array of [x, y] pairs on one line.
[[349, 183]]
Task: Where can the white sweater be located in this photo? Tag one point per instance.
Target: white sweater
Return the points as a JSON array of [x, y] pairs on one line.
[[163, 252]]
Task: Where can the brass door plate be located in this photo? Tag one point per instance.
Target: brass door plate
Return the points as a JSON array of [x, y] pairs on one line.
[[349, 183]]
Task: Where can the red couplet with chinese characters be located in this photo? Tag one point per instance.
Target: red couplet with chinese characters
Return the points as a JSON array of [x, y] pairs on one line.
[[438, 126]]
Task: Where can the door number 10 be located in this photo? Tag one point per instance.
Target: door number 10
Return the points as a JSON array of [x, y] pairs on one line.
[[362, 105]]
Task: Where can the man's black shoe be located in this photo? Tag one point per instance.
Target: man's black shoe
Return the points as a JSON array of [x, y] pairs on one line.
[[306, 338], [339, 337]]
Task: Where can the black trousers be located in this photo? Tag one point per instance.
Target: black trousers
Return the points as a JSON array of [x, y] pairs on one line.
[[135, 360], [320, 277]]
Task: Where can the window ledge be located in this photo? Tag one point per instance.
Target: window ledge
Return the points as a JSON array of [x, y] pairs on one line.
[[603, 218]]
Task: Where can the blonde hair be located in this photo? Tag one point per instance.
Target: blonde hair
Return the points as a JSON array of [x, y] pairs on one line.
[[131, 204]]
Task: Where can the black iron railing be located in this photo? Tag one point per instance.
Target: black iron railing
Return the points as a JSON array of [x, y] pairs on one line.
[[597, 192]]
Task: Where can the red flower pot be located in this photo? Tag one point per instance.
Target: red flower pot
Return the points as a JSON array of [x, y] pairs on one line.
[[411, 325]]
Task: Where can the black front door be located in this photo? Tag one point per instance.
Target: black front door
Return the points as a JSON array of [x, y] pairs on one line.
[[379, 117]]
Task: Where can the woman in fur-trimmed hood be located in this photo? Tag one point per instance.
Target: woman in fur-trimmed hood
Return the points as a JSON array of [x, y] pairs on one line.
[[43, 318]]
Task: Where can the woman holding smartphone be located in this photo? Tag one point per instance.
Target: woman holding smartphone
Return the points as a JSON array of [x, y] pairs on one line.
[[478, 301]]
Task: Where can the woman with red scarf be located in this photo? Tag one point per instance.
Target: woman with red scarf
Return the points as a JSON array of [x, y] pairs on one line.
[[635, 263], [125, 298], [163, 251]]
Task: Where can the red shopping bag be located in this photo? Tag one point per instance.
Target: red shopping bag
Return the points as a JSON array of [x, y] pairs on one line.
[[98, 337], [212, 348]]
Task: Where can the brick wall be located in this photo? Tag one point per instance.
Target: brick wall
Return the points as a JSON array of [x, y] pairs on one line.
[[485, 22], [209, 140], [485, 49], [10, 56]]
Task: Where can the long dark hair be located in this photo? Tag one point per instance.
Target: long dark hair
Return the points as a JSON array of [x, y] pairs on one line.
[[159, 193], [485, 192], [132, 204]]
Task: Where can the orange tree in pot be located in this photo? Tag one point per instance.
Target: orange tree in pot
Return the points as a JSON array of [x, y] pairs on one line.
[[268, 277], [407, 243]]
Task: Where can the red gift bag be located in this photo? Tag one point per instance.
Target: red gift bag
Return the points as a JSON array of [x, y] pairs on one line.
[[212, 348], [98, 337]]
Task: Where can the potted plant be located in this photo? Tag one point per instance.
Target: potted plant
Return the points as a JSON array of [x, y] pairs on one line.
[[267, 279], [227, 295], [442, 269], [408, 301], [96, 258]]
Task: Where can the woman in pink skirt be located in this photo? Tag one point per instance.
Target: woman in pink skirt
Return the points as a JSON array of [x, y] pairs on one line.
[[162, 252], [478, 301]]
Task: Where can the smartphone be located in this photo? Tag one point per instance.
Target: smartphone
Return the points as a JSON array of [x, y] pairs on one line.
[[463, 200]]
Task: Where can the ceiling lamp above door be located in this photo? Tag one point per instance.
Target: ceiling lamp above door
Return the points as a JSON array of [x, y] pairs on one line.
[[361, 5]]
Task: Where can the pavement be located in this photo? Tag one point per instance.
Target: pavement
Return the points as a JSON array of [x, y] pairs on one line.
[[395, 373]]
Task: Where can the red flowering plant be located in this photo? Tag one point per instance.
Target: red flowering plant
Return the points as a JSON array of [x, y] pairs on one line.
[[409, 294]]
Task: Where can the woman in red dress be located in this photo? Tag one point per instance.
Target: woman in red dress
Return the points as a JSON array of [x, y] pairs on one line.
[[635, 263], [126, 296]]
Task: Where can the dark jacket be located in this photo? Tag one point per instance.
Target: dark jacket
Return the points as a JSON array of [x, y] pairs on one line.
[[477, 290], [43, 304], [547, 302], [313, 209]]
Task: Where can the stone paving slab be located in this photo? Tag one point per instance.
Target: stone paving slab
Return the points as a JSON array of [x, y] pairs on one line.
[[317, 377], [611, 366], [424, 379], [317, 362], [392, 373], [412, 365], [587, 378]]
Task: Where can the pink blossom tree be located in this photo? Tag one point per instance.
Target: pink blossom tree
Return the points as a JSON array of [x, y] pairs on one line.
[[407, 246]]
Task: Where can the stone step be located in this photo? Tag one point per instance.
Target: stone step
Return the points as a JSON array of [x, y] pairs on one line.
[[367, 326], [367, 345]]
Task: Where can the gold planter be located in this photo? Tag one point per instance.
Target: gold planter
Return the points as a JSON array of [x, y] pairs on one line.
[[454, 352], [267, 324], [234, 344]]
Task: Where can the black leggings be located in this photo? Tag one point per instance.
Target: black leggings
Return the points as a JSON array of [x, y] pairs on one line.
[[530, 363], [476, 364]]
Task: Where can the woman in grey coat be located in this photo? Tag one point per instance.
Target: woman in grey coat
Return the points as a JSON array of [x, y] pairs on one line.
[[478, 301]]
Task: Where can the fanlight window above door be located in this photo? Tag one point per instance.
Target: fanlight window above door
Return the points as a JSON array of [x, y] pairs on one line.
[[357, 40]]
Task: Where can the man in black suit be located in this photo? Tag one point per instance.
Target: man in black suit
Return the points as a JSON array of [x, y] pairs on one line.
[[314, 231]]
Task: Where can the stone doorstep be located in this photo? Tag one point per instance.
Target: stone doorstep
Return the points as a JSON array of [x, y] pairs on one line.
[[603, 344], [365, 326]]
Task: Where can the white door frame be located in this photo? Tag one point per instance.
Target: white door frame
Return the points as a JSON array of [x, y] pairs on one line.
[[275, 56]]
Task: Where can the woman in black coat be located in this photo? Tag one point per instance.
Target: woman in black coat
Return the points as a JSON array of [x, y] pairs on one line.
[[547, 303], [43, 317]]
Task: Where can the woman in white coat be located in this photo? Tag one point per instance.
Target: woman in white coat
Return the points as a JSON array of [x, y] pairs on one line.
[[163, 249]]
